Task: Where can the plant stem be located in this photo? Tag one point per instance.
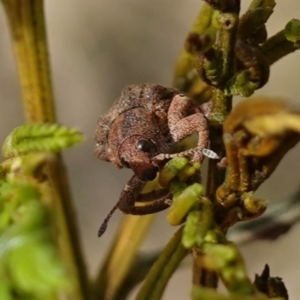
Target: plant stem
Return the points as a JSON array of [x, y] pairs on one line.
[[68, 233], [121, 256], [225, 45], [202, 276], [255, 17], [27, 26], [277, 46], [163, 268], [215, 175], [185, 77]]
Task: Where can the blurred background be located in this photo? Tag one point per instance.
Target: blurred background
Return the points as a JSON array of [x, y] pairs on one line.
[[98, 47]]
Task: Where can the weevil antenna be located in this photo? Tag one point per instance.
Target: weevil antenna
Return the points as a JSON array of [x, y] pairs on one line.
[[103, 226]]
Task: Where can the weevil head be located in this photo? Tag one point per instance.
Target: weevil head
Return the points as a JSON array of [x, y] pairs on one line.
[[136, 153]]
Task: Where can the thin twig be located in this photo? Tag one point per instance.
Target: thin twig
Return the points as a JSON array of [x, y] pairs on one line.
[[163, 268]]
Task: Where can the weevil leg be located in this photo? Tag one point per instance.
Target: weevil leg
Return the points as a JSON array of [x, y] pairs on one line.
[[184, 118], [153, 195], [131, 195]]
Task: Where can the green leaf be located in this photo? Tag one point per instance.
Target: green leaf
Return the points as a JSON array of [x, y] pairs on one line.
[[183, 203], [34, 269], [40, 137], [29, 264], [171, 169]]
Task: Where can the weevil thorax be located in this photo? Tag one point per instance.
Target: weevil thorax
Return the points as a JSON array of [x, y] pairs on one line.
[[102, 149]]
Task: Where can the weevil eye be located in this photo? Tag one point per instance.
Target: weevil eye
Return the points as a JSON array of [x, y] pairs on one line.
[[144, 145]]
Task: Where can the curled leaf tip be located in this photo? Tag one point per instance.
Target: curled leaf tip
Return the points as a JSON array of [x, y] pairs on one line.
[[292, 31]]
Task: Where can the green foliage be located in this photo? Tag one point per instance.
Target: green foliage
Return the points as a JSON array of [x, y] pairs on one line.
[[29, 265], [188, 204], [50, 137], [183, 202], [198, 223], [171, 169]]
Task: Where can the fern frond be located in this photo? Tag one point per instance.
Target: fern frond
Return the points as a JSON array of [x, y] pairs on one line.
[[50, 137], [30, 267]]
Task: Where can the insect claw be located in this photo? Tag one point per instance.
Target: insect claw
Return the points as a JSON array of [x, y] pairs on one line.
[[209, 153]]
